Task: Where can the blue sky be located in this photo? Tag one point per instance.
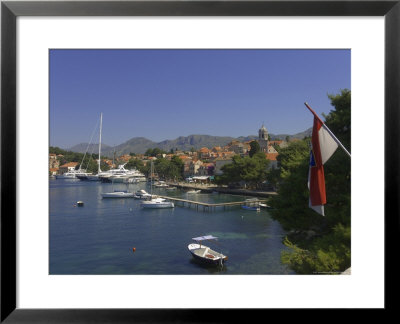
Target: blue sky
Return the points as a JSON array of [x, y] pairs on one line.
[[163, 94]]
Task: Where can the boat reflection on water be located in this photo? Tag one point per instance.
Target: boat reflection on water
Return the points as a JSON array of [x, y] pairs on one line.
[[209, 267]]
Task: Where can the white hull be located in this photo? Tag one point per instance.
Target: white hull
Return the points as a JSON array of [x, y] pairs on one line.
[[149, 204], [157, 203], [118, 179], [117, 194], [68, 175], [206, 255]]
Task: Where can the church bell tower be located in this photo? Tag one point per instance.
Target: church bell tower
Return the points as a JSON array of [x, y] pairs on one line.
[[263, 139]]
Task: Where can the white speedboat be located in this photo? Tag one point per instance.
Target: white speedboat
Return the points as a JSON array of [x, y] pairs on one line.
[[66, 175], [142, 194], [157, 203], [193, 191], [161, 184], [204, 253], [117, 194], [252, 204], [72, 174]]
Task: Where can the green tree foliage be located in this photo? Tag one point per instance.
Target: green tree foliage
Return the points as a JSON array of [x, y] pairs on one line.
[[326, 254], [154, 152], [317, 244], [249, 170], [254, 148], [89, 162], [338, 120], [136, 164], [67, 156], [291, 203], [169, 169]]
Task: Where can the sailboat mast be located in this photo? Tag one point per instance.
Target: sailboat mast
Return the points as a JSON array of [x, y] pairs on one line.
[[151, 177], [101, 124]]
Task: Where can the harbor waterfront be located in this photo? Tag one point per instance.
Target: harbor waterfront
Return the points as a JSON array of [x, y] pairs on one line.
[[117, 236]]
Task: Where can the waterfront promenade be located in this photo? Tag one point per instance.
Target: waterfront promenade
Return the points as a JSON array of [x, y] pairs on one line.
[[213, 187], [212, 206]]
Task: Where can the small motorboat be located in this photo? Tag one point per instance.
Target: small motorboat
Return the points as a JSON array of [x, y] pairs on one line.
[[157, 203], [251, 208], [161, 184], [170, 188], [117, 194], [142, 194], [204, 253], [193, 191], [252, 204], [265, 206]]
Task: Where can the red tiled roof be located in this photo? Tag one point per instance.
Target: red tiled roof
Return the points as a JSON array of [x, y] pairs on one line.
[[69, 164], [271, 156], [184, 157]]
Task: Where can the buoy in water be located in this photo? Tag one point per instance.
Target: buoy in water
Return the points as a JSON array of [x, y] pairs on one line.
[[80, 203], [133, 249]]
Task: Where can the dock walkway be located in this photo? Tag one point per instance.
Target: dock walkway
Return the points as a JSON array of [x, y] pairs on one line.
[[214, 188], [209, 206]]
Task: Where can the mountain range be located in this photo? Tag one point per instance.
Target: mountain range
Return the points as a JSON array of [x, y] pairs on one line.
[[185, 143]]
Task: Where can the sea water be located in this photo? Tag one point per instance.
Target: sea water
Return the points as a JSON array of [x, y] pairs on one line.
[[117, 236]]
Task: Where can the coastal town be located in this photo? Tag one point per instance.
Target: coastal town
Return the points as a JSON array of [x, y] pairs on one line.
[[200, 165], [185, 157]]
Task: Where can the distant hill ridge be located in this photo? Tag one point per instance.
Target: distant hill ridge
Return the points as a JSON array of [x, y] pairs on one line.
[[185, 143]]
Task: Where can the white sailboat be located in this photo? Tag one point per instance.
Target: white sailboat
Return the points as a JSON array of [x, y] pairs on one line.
[[155, 202], [117, 193], [89, 176]]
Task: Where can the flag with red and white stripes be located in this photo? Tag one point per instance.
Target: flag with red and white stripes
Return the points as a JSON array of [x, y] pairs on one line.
[[323, 145]]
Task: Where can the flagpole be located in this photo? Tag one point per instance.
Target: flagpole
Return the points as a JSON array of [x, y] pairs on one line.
[[328, 130]]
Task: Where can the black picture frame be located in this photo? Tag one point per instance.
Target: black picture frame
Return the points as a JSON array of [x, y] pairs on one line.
[[10, 10]]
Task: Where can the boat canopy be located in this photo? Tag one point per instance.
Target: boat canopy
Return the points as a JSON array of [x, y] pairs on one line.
[[203, 238]]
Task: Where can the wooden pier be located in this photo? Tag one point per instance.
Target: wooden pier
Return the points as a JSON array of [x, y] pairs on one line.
[[210, 207]]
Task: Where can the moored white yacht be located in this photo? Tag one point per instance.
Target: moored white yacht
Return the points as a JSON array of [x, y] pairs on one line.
[[161, 184], [157, 203], [117, 194], [72, 174], [142, 194], [119, 174]]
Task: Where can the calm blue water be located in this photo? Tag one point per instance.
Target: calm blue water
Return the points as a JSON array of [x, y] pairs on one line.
[[98, 238]]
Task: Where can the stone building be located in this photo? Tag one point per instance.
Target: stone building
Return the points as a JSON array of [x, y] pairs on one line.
[[53, 161], [263, 139]]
